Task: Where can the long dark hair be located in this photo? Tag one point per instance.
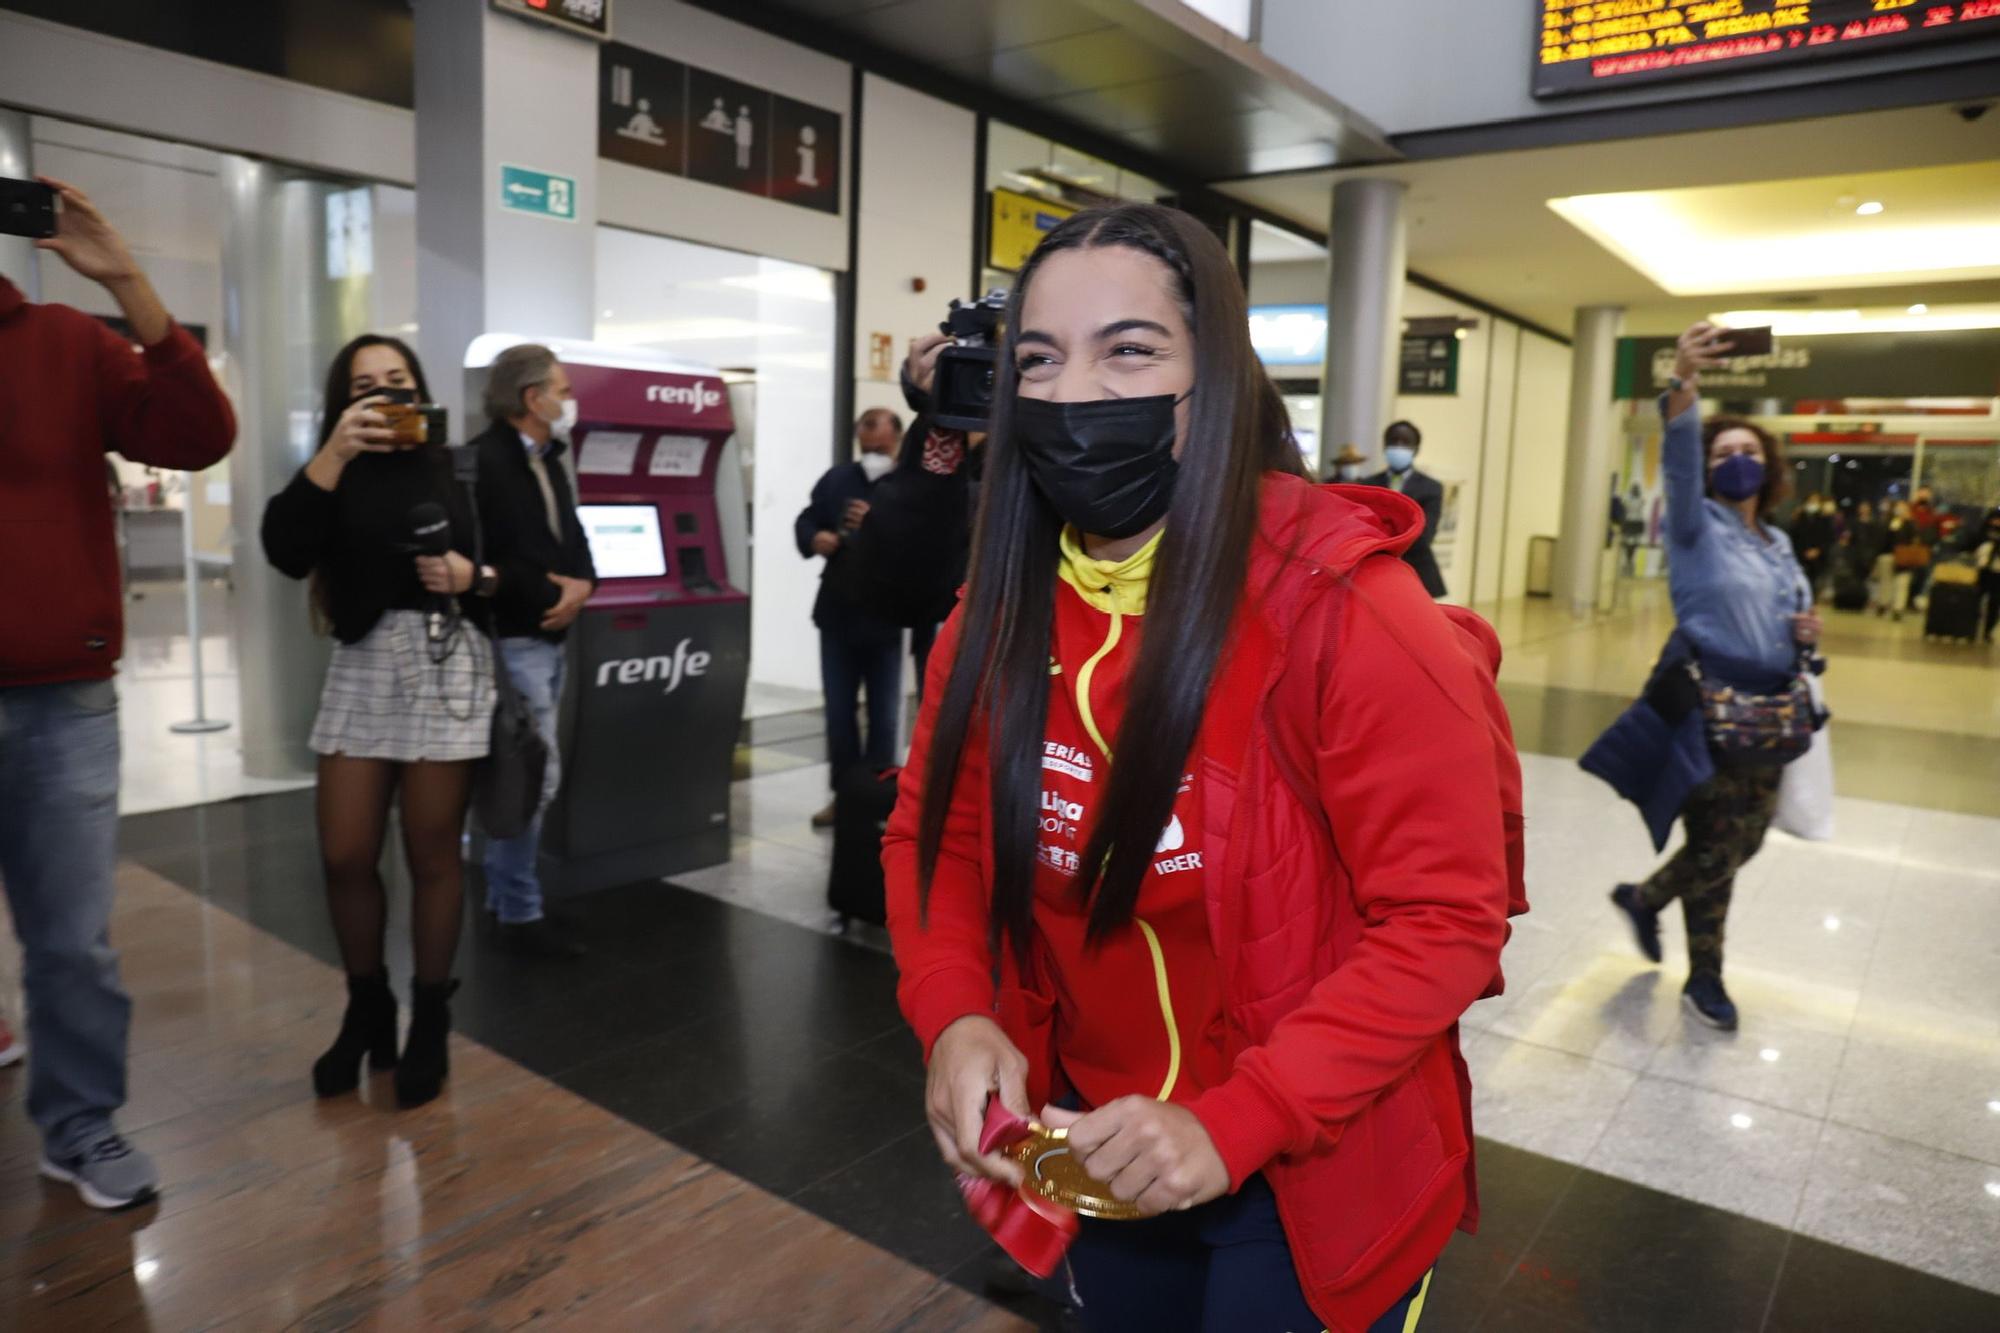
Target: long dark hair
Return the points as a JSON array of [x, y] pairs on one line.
[[339, 392], [1237, 431], [1777, 477], [340, 378]]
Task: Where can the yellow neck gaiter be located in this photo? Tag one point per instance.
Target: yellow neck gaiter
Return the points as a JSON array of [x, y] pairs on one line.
[[1115, 587]]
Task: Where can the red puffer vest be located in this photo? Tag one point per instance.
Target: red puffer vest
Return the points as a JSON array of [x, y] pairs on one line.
[[1352, 930]]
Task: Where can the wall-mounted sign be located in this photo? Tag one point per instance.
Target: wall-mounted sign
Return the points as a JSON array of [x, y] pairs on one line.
[[1429, 364], [1289, 335], [592, 18], [1586, 45], [669, 117], [1953, 364], [524, 190], [1018, 223]]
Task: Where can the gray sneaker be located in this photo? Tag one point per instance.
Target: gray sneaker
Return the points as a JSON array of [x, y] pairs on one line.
[[111, 1173]]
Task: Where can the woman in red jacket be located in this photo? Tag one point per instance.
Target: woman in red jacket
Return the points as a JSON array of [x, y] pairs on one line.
[[1231, 961]]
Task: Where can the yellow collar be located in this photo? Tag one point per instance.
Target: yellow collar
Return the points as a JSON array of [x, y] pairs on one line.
[[1110, 586]]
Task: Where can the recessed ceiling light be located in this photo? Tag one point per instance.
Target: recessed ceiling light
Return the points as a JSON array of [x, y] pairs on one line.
[[1920, 309], [1741, 1121], [1832, 923], [1993, 1188], [1769, 1054], [1994, 1107], [1693, 241]]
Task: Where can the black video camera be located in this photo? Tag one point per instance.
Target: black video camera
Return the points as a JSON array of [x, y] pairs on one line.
[[962, 392]]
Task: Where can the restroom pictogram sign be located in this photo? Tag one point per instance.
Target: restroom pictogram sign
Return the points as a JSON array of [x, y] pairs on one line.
[[667, 116]]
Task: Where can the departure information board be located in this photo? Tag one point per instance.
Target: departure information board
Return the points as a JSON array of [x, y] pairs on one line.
[[1589, 44]]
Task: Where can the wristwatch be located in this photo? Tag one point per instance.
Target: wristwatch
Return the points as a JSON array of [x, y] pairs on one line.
[[486, 582]]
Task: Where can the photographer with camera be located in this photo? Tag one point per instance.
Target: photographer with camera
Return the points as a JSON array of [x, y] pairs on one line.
[[908, 561]]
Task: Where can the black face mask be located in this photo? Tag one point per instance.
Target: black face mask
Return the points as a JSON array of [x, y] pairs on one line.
[[1106, 465]]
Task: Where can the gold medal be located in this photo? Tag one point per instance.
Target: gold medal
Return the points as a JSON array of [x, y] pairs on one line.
[[1054, 1173]]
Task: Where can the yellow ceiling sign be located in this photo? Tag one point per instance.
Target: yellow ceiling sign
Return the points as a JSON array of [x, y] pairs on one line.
[[1019, 221]]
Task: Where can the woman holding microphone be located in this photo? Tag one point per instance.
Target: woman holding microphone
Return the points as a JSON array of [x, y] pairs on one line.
[[408, 701], [1202, 849]]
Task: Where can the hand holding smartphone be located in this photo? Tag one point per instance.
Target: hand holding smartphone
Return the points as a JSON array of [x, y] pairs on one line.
[[27, 208], [1754, 341]]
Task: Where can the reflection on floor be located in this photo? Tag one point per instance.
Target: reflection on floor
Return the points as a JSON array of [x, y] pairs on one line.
[[1832, 1167], [507, 1202], [1884, 672], [1915, 723]]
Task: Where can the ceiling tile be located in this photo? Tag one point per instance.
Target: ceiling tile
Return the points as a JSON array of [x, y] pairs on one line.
[[1150, 102], [1073, 64], [947, 31]]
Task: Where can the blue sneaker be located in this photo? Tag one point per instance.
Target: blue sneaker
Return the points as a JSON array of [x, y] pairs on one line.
[[1645, 920], [1706, 999], [110, 1174]]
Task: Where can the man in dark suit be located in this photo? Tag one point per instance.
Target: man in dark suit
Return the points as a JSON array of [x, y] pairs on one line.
[[542, 574], [1399, 449]]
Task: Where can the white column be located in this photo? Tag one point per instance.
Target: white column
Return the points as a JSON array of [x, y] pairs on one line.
[[281, 323], [1364, 315], [493, 89], [1587, 470], [17, 159]]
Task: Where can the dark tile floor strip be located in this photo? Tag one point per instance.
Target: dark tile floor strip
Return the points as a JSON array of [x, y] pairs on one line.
[[777, 1053]]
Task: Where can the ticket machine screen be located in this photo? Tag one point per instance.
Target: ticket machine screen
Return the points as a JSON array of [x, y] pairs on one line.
[[624, 540]]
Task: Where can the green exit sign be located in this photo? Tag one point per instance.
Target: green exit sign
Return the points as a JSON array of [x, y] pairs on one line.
[[525, 191]]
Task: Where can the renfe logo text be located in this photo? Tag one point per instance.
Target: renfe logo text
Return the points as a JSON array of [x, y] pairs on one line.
[[698, 396], [673, 670]]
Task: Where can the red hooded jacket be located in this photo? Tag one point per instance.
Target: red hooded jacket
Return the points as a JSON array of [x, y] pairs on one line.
[[1351, 931], [72, 391]]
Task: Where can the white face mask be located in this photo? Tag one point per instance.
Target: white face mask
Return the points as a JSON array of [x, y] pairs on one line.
[[877, 466], [565, 421]]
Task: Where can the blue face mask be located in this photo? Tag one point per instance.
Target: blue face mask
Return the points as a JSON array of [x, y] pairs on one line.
[[1401, 457], [1737, 477]]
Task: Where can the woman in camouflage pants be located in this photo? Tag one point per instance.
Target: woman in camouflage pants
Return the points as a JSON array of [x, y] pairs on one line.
[[1743, 606]]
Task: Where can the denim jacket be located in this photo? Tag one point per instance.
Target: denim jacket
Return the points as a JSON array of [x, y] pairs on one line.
[[1734, 595]]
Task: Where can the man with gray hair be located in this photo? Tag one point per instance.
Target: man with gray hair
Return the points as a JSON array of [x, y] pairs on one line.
[[541, 559]]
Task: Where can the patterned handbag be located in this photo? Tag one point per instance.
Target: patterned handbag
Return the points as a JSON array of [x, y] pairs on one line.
[[1750, 728]]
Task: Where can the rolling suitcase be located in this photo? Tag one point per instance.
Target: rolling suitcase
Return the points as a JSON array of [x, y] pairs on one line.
[[1850, 580], [1953, 612], [862, 801]]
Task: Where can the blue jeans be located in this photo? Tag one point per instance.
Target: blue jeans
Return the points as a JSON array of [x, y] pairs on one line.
[[58, 857], [846, 665], [513, 884]]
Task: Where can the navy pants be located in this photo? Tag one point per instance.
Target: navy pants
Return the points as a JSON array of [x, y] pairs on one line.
[[847, 665], [1221, 1268]]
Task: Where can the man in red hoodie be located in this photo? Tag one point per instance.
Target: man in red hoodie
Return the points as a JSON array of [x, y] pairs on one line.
[[72, 391]]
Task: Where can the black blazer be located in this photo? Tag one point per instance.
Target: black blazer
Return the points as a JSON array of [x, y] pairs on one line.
[[515, 524], [1428, 492]]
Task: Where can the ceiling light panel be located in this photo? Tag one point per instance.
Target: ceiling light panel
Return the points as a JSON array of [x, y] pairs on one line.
[[1939, 224]]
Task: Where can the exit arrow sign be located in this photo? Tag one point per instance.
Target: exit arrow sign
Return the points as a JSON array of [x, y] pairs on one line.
[[523, 190]]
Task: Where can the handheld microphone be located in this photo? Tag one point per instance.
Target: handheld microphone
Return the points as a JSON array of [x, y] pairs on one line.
[[430, 534]]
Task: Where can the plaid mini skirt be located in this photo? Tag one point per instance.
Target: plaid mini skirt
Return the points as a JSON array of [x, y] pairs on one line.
[[387, 697]]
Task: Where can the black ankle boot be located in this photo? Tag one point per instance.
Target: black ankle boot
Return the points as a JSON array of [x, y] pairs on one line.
[[426, 1058], [368, 1028]]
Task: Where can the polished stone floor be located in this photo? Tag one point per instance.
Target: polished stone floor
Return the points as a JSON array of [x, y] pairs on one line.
[[1833, 1166]]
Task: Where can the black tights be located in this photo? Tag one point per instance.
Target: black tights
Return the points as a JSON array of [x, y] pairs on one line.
[[354, 796]]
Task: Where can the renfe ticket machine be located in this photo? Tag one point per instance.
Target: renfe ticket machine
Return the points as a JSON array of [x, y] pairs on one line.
[[659, 657]]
